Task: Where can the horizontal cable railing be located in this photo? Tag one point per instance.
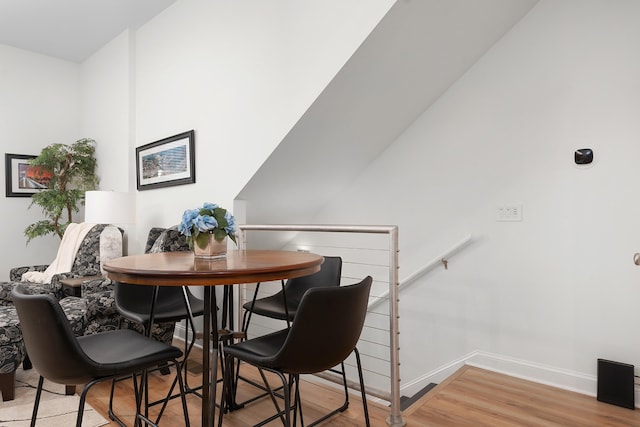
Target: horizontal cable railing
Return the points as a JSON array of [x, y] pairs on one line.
[[361, 257]]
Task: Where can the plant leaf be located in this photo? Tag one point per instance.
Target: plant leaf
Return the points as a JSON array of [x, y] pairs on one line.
[[202, 239]]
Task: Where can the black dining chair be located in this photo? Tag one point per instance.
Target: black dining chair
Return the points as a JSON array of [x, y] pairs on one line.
[[173, 304], [61, 357], [283, 305], [325, 331]]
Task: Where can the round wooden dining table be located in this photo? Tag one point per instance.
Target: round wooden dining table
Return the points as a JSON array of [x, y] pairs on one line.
[[183, 269]]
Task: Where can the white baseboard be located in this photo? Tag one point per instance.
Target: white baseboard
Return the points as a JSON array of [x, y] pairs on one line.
[[542, 374]]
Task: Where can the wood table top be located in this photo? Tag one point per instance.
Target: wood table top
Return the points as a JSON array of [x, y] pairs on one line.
[[182, 268]]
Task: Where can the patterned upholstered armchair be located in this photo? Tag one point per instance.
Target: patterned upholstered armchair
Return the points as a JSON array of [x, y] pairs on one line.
[[100, 243], [97, 303]]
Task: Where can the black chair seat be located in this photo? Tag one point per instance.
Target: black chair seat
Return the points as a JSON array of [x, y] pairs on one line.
[[260, 350], [116, 352], [273, 307], [134, 303]]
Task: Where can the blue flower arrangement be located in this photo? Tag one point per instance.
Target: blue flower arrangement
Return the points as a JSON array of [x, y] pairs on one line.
[[198, 223]]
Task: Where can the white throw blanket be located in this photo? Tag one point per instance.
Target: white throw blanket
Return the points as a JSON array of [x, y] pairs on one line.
[[73, 236]]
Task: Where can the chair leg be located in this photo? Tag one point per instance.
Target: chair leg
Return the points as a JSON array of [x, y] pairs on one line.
[[169, 396], [345, 405], [362, 390], [8, 385], [112, 414], [36, 403], [187, 348], [246, 319], [136, 390], [346, 389], [286, 396], [164, 369], [287, 399], [286, 305], [26, 363], [297, 403], [226, 390], [182, 393], [144, 389], [229, 383], [83, 398], [227, 396], [138, 396]]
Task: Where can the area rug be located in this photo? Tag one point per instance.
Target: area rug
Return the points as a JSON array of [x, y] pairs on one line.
[[55, 410]]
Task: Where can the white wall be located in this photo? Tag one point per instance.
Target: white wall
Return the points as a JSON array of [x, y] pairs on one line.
[[240, 75], [106, 110], [108, 115], [39, 105], [547, 296]]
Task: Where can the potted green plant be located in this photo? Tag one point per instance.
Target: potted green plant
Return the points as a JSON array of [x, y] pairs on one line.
[[72, 170]]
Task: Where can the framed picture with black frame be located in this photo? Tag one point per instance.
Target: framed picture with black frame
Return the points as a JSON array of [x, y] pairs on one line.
[[22, 179], [167, 162]]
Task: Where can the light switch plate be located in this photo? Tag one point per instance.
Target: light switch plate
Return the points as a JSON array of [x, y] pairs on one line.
[[509, 212]]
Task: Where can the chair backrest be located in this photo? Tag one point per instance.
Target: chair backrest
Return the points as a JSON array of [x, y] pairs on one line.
[[135, 300], [166, 240], [153, 235], [329, 275], [326, 330], [49, 340], [94, 250]]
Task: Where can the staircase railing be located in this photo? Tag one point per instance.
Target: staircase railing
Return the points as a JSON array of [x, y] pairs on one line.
[[395, 418], [442, 260]]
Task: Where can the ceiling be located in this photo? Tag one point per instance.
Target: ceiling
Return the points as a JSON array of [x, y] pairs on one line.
[[71, 29]]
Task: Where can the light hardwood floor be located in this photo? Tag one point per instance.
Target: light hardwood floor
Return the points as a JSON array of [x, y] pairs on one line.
[[470, 397], [317, 400], [476, 397]]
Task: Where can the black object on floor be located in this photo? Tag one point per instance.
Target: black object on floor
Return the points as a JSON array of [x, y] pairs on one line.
[[615, 383]]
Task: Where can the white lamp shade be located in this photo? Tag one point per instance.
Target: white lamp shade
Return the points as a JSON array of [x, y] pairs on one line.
[[109, 207]]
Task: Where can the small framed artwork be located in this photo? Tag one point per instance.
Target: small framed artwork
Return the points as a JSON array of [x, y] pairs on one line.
[[168, 162], [22, 179]]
